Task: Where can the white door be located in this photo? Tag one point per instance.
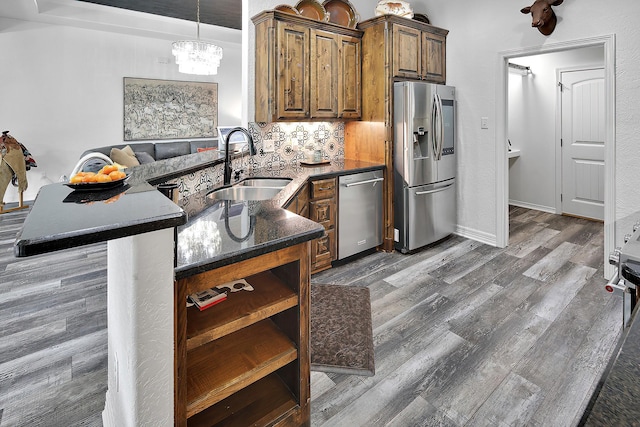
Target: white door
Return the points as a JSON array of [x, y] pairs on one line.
[[583, 131]]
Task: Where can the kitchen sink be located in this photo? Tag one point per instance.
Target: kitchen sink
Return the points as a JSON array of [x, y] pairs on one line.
[[265, 182], [243, 192]]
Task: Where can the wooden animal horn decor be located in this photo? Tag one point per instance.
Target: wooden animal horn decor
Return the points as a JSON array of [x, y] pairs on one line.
[[544, 18]]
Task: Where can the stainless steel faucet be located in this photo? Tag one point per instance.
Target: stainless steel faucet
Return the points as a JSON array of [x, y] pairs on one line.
[[227, 162]]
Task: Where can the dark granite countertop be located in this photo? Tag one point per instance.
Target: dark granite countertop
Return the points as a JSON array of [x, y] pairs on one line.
[[216, 232], [225, 232], [62, 218], [618, 401]]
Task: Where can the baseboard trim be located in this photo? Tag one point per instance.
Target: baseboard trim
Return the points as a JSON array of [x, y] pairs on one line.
[[532, 206], [480, 236]]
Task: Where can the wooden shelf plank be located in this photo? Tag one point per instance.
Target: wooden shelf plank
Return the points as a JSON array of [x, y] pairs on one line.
[[261, 403], [269, 296], [224, 366]]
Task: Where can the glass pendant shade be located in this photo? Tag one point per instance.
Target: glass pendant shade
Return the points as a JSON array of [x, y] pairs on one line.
[[197, 57]]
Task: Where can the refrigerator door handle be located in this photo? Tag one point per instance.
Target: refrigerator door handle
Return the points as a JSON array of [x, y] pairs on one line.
[[368, 181], [439, 127], [434, 119], [436, 190]]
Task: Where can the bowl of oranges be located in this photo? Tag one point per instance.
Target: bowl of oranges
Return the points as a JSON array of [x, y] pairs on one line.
[[108, 176]]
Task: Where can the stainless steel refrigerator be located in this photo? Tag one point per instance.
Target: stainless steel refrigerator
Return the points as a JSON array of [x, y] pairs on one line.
[[424, 163]]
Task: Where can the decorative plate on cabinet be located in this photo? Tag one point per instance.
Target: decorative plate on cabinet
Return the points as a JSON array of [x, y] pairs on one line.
[[341, 12], [312, 9], [287, 9]]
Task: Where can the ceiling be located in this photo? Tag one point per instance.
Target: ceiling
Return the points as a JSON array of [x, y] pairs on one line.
[[222, 13]]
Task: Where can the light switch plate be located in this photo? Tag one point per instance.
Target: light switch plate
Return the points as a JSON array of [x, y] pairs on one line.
[[268, 146], [484, 123]]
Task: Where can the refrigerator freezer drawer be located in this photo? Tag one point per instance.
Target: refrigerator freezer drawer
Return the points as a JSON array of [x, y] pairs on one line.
[[429, 215]]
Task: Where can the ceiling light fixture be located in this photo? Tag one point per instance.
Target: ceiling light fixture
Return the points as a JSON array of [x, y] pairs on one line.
[[195, 56]]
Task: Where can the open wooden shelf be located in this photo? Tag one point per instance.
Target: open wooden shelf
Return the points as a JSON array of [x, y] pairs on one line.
[[258, 404], [222, 367], [243, 308]]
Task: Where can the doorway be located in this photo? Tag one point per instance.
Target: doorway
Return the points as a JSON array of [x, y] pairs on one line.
[[607, 43]]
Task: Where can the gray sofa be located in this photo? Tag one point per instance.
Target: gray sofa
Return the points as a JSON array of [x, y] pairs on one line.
[[158, 150]]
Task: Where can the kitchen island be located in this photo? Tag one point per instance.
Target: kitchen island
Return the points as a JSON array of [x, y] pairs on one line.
[[158, 253], [147, 314]]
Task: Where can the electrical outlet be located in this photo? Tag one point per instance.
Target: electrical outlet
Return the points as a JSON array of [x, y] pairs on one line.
[[268, 146], [484, 123]]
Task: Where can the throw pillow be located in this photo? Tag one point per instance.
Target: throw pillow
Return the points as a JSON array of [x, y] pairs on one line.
[[125, 156], [144, 157]]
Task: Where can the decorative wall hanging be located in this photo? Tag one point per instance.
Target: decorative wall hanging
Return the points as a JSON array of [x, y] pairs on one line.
[[394, 7], [544, 18], [166, 109], [15, 161]]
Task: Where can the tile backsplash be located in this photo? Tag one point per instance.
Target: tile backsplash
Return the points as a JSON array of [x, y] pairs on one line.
[[290, 139], [289, 142]]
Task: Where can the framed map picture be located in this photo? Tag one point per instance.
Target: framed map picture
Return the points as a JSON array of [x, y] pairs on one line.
[[167, 109]]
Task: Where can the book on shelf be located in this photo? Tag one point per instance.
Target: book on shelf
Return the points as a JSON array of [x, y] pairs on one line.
[[207, 298]]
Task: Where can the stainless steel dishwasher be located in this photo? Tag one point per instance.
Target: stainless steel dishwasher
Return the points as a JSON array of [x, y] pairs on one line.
[[359, 212]]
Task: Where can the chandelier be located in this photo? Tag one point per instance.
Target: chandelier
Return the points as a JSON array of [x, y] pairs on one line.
[[195, 56]]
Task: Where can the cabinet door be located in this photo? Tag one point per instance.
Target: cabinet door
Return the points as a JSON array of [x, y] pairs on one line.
[[324, 74], [323, 212], [350, 72], [433, 57], [323, 251], [407, 53], [292, 71]]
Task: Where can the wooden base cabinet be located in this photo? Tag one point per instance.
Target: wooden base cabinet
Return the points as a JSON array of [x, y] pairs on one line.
[[306, 69], [323, 209], [318, 202], [245, 361]]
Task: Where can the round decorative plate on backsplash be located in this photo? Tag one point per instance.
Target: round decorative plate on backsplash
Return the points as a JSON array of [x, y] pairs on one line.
[[341, 12], [312, 9]]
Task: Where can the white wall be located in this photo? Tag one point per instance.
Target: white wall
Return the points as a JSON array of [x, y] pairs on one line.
[[62, 77], [532, 124], [479, 33]]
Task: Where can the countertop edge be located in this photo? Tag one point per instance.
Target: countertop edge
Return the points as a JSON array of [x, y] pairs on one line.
[[26, 248], [232, 258]]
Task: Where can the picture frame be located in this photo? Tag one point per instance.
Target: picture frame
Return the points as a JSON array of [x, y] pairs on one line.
[[169, 109]]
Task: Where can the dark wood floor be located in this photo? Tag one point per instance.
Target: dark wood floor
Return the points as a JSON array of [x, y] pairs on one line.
[[465, 334]]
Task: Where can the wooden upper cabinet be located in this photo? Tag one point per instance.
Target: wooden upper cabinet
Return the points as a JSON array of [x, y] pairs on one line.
[[349, 78], [407, 53], [293, 71], [324, 74], [419, 52], [306, 69], [434, 57]]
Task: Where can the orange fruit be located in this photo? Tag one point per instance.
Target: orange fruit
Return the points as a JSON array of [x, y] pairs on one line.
[[89, 177], [116, 175], [75, 179], [107, 169], [101, 177]]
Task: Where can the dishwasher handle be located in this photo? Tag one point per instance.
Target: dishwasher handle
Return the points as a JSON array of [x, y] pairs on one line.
[[368, 181], [436, 190]]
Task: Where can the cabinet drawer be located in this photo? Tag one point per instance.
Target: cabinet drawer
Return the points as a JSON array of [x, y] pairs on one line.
[[323, 188]]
